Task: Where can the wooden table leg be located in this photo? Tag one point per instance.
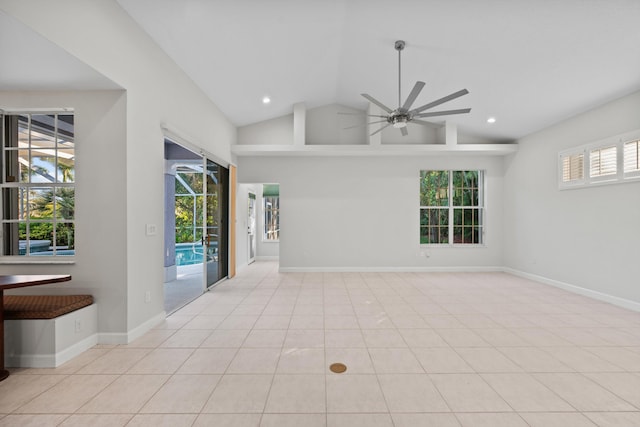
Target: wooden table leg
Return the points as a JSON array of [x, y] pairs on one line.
[[3, 372]]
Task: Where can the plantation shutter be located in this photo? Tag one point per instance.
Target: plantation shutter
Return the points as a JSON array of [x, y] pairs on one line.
[[632, 157], [573, 168], [603, 162]]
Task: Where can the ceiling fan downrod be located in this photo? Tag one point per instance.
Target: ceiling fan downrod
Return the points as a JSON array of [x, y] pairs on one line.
[[399, 46]]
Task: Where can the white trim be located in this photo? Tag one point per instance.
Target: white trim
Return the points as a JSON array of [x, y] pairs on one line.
[[56, 110], [621, 302], [111, 338], [21, 259], [267, 258], [467, 269], [617, 141], [52, 360], [134, 334], [374, 150]]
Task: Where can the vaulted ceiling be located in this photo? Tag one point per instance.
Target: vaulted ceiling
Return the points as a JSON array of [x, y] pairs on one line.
[[529, 64]]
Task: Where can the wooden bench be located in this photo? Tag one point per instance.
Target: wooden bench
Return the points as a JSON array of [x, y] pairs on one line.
[[47, 330], [43, 306]]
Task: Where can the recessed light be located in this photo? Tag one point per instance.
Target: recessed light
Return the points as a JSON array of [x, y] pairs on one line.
[[266, 100], [491, 120]]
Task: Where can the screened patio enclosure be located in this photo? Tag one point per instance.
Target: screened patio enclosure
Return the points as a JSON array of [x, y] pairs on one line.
[[196, 221]]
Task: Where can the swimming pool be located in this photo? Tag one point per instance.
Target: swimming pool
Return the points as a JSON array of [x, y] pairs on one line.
[[188, 253]]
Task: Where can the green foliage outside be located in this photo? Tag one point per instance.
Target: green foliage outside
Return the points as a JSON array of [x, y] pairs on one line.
[[42, 209], [188, 221], [188, 209], [436, 200]]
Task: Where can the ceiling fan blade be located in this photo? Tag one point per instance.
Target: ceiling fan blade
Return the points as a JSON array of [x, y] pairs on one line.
[[381, 129], [364, 124], [413, 95], [404, 131], [378, 103], [444, 113], [361, 114], [437, 102]]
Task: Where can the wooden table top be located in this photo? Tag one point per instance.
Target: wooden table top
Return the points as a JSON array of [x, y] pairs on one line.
[[24, 280]]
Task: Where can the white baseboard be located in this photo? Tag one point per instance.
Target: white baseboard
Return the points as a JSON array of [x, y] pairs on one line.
[[47, 343], [468, 269], [52, 360], [621, 302], [132, 335], [267, 258]]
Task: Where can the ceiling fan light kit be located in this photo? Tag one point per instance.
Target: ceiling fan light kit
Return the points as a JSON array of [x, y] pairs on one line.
[[403, 115]]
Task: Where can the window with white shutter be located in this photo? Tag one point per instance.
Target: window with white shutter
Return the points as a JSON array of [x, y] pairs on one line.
[[632, 158], [573, 168], [609, 161], [603, 162]]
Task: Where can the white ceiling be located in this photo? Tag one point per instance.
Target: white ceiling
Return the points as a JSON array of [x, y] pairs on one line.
[[31, 62], [529, 63]]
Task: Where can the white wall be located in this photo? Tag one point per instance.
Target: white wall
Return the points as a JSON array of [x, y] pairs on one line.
[[100, 137], [363, 212], [102, 35], [582, 237], [325, 126], [278, 131]]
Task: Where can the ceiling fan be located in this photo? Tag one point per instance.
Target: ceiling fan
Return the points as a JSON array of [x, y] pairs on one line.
[[401, 116]]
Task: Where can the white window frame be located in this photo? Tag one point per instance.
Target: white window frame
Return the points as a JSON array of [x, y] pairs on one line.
[[481, 207], [568, 155], [27, 258], [273, 211], [620, 176], [633, 173]]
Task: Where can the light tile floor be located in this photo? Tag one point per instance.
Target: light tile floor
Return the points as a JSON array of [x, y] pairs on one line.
[[422, 349]]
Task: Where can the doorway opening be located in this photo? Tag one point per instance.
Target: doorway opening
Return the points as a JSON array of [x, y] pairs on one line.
[[259, 215], [196, 225]]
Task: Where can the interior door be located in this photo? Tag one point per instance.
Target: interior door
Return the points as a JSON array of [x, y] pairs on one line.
[[251, 227], [216, 237]]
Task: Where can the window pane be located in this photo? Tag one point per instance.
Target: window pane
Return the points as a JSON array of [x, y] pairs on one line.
[[444, 235], [603, 162], [271, 217], [43, 128], [41, 203], [65, 203], [632, 156], [424, 236], [66, 132], [66, 165], [43, 166], [434, 188], [457, 235], [465, 185], [65, 239], [40, 236], [572, 168]]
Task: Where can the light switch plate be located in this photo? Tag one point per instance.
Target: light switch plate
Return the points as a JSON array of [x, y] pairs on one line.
[[152, 229]]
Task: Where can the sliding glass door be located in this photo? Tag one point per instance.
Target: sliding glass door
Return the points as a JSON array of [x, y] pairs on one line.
[[216, 237]]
